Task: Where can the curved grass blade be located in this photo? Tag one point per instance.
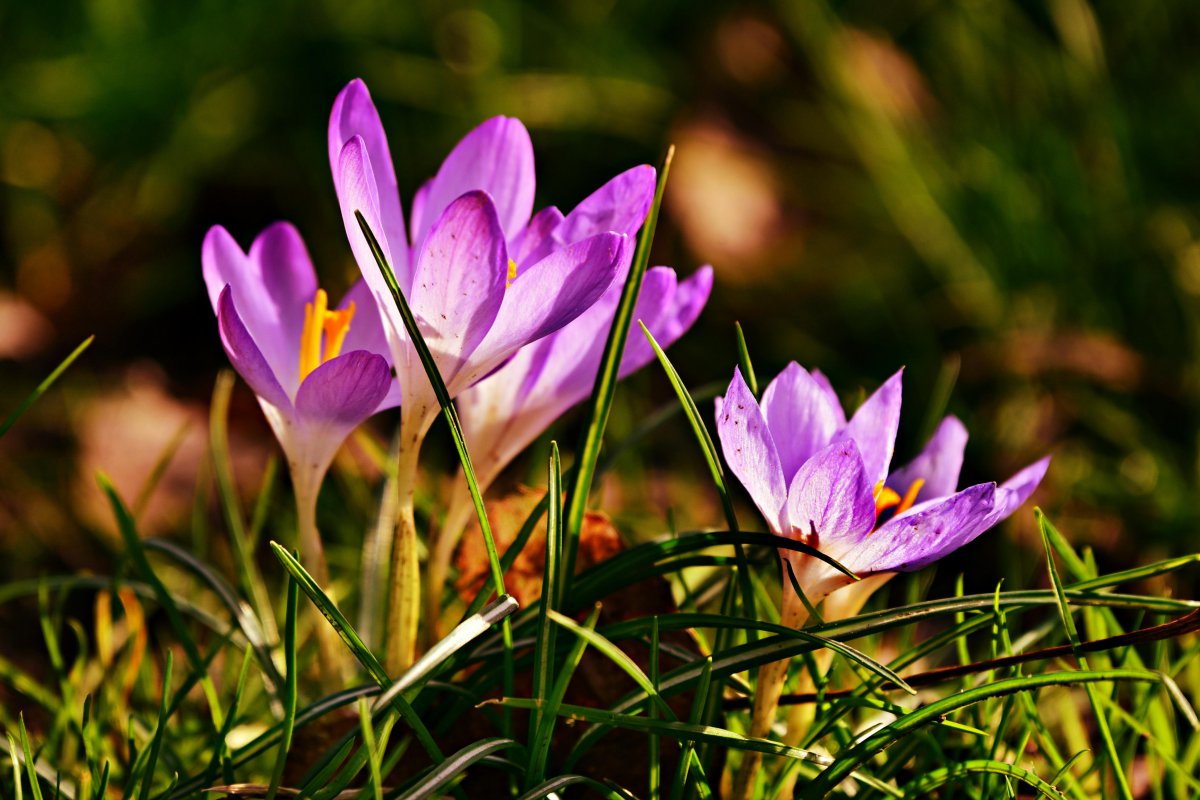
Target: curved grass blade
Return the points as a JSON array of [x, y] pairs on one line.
[[159, 730], [289, 687], [556, 785], [1064, 610], [587, 454], [744, 359], [30, 767], [924, 785], [18, 789], [850, 760], [367, 731], [454, 766], [44, 386]]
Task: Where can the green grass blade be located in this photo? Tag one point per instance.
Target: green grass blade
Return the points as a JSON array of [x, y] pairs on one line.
[[685, 754], [548, 710], [1049, 532], [159, 731], [18, 788], [747, 367], [543, 664], [367, 730], [454, 766], [44, 386], [924, 785], [291, 611], [249, 578], [30, 767], [587, 454], [555, 785]]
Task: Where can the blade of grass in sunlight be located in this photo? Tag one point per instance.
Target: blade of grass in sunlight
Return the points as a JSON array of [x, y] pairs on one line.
[[291, 609], [159, 731], [249, 578], [1068, 621], [18, 789], [689, 747], [454, 766], [543, 664], [587, 454], [924, 785], [744, 359], [368, 736], [30, 770], [556, 785], [548, 708], [44, 386]]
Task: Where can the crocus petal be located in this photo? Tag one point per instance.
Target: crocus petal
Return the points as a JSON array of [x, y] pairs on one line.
[[620, 206], [909, 542], [1016, 490], [458, 284], [496, 157], [938, 464], [827, 387], [245, 354], [367, 332], [419, 207], [357, 192], [873, 428], [831, 497], [272, 285], [535, 241], [548, 295], [344, 390], [354, 114], [668, 314], [800, 416], [750, 451]]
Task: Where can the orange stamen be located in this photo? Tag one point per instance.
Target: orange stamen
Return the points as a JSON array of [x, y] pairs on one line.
[[512, 273], [318, 320], [910, 496], [885, 498]]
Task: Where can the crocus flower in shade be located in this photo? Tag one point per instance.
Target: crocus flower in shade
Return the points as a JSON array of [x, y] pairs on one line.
[[825, 481], [483, 278]]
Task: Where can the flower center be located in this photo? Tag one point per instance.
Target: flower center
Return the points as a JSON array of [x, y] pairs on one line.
[[320, 320], [512, 273], [887, 499]]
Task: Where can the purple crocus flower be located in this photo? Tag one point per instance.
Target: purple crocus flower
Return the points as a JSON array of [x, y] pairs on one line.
[[824, 480], [479, 283], [288, 345]]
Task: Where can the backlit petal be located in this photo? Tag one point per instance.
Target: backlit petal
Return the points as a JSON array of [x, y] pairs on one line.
[[750, 451], [873, 428], [800, 416], [938, 465], [245, 354]]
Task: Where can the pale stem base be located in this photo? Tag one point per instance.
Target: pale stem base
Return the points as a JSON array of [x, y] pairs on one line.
[[404, 582], [458, 516], [331, 654]]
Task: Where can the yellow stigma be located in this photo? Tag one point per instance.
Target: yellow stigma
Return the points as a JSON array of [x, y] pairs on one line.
[[886, 498], [512, 273], [320, 320]]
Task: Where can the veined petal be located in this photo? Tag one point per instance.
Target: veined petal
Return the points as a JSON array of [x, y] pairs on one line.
[[909, 542], [419, 207], [750, 451], [1011, 494], [496, 157], [357, 192], [354, 114], [938, 465], [831, 496], [367, 332], [547, 296], [800, 416], [272, 285], [246, 356], [873, 428], [827, 387], [458, 285], [620, 206], [345, 390], [536, 240], [668, 312]]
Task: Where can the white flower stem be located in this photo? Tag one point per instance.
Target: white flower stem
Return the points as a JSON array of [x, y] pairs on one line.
[[767, 691], [458, 516], [404, 582], [331, 656]]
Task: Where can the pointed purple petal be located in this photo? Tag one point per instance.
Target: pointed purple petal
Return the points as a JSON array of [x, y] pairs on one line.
[[419, 207], [938, 464], [827, 387], [357, 192], [873, 427], [354, 114], [910, 542], [620, 206], [750, 451], [547, 296], [1013, 493], [345, 390], [801, 418], [367, 332], [458, 285], [535, 241], [496, 157], [668, 313], [831, 495], [245, 355]]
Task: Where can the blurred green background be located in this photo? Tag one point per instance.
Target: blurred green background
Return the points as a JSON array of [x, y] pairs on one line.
[[1002, 196]]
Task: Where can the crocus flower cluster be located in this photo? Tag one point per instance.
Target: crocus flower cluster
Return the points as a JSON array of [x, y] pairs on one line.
[[825, 481]]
